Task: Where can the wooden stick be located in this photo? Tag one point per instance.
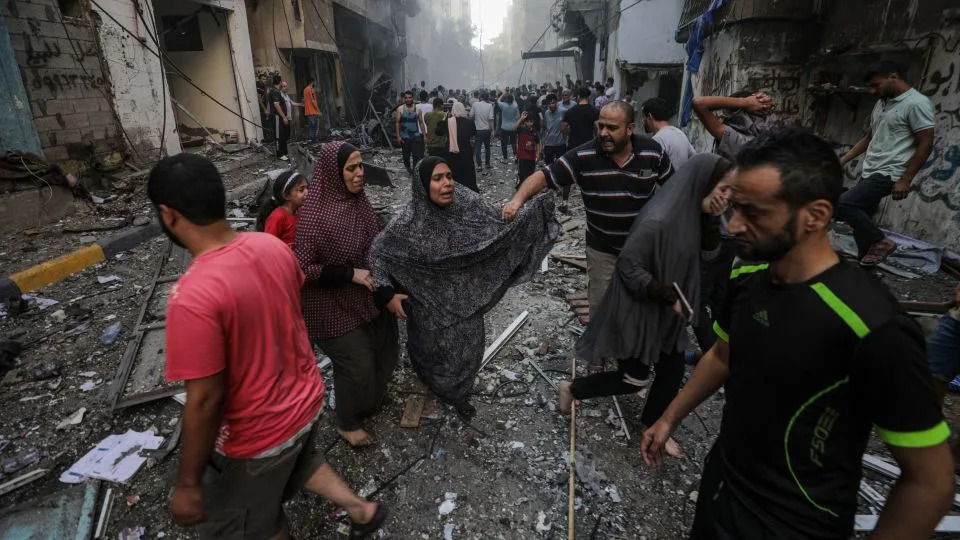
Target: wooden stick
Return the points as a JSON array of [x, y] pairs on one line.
[[573, 449]]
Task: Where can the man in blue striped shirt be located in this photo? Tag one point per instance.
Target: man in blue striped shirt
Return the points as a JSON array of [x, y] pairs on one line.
[[617, 173]]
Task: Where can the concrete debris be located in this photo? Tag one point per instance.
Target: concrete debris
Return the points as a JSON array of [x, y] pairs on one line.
[[448, 531], [73, 419], [103, 280], [59, 315], [613, 492], [448, 504], [132, 533], [693, 496], [140, 221], [541, 525], [516, 445], [91, 385]]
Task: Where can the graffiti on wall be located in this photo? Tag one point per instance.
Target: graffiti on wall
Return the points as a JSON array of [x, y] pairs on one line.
[[782, 84], [940, 175], [41, 59]]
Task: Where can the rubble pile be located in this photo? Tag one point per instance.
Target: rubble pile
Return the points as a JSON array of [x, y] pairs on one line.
[[502, 475]]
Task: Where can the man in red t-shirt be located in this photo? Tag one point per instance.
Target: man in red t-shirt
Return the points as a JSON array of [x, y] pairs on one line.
[[236, 335]]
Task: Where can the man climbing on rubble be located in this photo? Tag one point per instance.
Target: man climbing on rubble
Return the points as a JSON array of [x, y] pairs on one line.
[[898, 143], [236, 336], [616, 177], [813, 353]]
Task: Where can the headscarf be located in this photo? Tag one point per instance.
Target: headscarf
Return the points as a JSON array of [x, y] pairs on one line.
[[437, 254], [336, 229], [664, 244], [457, 111], [456, 263]]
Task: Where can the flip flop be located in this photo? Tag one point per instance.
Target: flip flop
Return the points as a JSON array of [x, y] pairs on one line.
[[363, 530]]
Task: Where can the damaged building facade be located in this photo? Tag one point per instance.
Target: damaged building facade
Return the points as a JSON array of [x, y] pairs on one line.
[[605, 36], [95, 91], [354, 49], [811, 55]]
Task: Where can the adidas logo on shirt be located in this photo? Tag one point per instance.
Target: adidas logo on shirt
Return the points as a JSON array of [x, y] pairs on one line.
[[761, 317]]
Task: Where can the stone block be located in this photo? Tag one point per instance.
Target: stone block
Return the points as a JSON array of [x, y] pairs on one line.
[[93, 133], [18, 41]]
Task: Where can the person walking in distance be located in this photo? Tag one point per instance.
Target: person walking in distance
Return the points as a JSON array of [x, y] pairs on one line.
[[254, 394], [408, 121], [509, 116], [579, 122], [813, 355], [311, 110], [554, 140], [656, 122], [281, 120], [482, 113], [436, 144], [898, 143]]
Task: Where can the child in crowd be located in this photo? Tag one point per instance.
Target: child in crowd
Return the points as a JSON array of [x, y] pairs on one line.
[[528, 147], [278, 216]]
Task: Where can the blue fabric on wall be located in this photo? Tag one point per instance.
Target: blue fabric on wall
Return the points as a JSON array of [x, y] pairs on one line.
[[694, 49]]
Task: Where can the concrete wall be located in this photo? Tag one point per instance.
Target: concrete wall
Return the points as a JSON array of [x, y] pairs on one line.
[[68, 89], [647, 32], [787, 51], [140, 94]]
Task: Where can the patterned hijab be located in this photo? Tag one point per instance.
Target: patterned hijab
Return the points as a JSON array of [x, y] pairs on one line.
[[459, 260], [336, 229]]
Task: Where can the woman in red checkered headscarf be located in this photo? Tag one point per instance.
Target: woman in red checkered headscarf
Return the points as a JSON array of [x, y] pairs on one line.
[[337, 226]]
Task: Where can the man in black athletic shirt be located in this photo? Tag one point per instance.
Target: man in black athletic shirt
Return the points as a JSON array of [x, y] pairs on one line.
[[813, 353]]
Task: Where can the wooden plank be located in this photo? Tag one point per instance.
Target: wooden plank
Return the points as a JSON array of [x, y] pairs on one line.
[[926, 307], [412, 411], [582, 310], [579, 303], [866, 523], [576, 296], [582, 265], [584, 319], [507, 334]]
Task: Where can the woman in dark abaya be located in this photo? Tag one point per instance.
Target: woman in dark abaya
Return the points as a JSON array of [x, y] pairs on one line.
[[453, 257], [639, 320], [337, 225], [460, 131]]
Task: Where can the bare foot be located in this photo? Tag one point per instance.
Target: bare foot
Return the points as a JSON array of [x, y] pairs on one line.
[[673, 449], [357, 438], [564, 397]]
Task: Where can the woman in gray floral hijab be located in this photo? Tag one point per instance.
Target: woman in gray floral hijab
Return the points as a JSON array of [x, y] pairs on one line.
[[443, 262]]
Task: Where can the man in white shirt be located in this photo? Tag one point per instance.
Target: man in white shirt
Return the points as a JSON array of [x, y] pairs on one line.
[[656, 122], [422, 108], [610, 93], [482, 114]]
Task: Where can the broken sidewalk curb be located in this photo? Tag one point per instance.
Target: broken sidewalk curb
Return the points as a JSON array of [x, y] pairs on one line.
[[55, 270]]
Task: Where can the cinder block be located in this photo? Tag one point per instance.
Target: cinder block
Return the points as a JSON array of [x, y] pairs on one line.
[[93, 133], [45, 124], [102, 118], [52, 29], [35, 10], [87, 104], [60, 106], [54, 154], [77, 120], [67, 136], [18, 41]]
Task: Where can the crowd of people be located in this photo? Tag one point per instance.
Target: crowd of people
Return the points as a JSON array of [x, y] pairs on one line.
[[812, 352]]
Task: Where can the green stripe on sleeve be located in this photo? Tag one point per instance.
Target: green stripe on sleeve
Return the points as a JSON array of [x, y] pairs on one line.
[[740, 270], [721, 333], [849, 316], [915, 439]]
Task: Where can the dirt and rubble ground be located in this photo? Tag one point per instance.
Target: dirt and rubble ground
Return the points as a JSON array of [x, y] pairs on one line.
[[507, 468]]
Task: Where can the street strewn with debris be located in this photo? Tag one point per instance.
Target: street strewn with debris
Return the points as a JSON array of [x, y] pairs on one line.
[[502, 475]]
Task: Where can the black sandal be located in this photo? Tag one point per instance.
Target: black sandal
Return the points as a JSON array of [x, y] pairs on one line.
[[362, 530]]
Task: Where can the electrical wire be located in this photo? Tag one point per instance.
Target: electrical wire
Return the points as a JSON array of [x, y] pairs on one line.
[[79, 54], [160, 54], [273, 23], [163, 75]]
